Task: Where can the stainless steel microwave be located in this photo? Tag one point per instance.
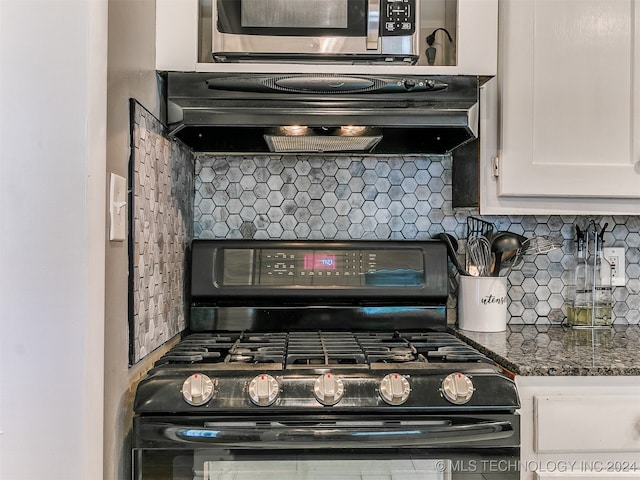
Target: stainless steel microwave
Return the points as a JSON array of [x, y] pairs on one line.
[[342, 31]]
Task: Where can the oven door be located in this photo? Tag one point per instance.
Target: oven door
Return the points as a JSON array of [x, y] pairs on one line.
[[426, 448]]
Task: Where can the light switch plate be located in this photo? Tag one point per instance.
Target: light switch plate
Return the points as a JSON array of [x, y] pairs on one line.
[[117, 208], [614, 262]]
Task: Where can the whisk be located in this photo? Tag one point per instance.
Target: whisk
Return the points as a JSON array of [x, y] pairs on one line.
[[479, 250], [541, 244], [536, 245]]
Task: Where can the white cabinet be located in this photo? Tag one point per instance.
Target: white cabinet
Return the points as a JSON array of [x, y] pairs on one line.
[[183, 41], [177, 27], [569, 126], [580, 428]]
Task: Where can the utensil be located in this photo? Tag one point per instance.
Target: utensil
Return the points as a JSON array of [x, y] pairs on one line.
[[452, 250], [479, 251], [511, 259], [476, 227], [541, 244], [535, 245], [515, 260], [504, 243]]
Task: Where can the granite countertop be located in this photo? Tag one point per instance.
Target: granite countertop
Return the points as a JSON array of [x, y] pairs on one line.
[[555, 350]]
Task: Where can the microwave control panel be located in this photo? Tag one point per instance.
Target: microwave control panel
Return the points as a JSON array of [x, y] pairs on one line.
[[398, 17]]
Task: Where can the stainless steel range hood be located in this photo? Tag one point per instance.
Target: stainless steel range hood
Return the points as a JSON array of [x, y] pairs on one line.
[[298, 113]]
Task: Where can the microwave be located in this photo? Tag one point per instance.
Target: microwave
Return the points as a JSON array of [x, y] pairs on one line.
[[331, 31]]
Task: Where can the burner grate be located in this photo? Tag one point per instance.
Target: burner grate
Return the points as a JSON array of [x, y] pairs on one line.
[[387, 348], [445, 347], [198, 348], [324, 348], [259, 348], [320, 348]]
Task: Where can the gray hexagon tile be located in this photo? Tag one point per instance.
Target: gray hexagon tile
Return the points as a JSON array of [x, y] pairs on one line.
[[323, 197], [307, 197], [163, 215]]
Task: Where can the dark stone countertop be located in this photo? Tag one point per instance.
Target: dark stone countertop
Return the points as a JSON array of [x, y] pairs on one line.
[[551, 350]]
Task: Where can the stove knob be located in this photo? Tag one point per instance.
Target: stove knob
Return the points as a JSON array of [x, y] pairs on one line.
[[409, 83], [457, 388], [198, 389], [394, 389], [328, 389], [263, 390]]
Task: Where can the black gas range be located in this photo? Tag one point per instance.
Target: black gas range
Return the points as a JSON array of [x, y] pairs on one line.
[[306, 348]]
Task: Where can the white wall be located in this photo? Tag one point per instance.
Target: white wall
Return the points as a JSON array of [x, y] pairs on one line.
[[131, 74], [52, 220]]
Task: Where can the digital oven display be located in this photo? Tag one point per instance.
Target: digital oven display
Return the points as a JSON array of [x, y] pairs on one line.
[[336, 267], [313, 261], [323, 268]]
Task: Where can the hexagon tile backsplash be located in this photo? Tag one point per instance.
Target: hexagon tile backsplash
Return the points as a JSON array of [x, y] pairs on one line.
[[162, 186], [324, 197]]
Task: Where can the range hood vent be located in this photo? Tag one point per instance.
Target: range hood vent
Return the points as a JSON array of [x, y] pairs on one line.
[[303, 113], [324, 142]]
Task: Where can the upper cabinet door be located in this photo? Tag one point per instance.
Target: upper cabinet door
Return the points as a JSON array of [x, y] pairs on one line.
[[569, 75]]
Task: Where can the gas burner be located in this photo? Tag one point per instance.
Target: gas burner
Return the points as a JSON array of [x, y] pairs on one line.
[[257, 353], [386, 347], [240, 358], [402, 354], [258, 348], [189, 355], [458, 353], [390, 355]]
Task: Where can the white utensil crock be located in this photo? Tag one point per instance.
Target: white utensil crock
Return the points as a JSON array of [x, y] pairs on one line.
[[482, 303]]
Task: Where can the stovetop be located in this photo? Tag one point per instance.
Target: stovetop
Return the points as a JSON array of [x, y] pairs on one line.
[[315, 349], [348, 372]]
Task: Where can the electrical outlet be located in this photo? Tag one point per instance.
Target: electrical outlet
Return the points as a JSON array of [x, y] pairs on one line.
[[614, 263]]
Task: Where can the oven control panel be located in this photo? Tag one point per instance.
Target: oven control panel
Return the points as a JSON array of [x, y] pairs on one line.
[[322, 267], [340, 270]]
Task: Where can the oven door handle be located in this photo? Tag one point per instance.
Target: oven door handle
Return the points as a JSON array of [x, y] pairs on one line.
[[392, 436]]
